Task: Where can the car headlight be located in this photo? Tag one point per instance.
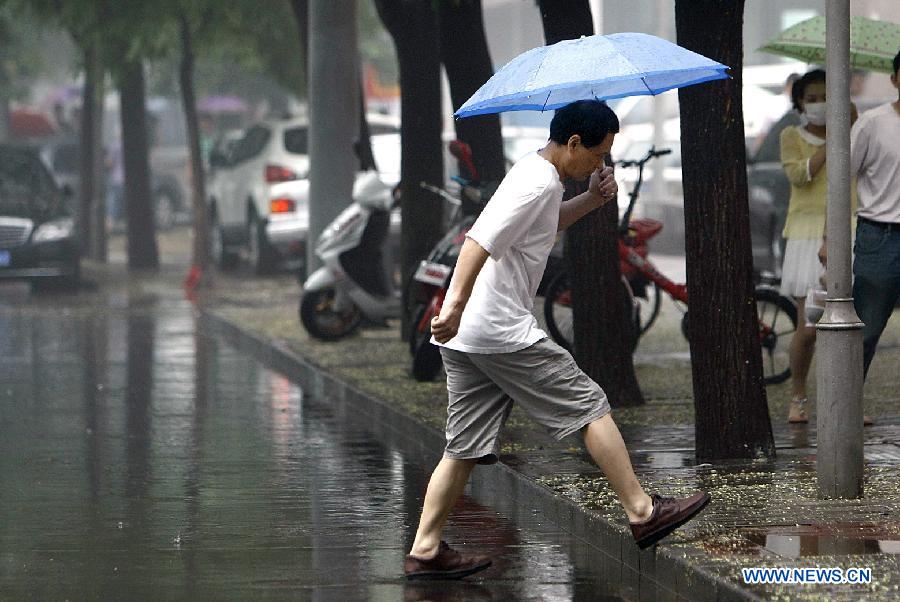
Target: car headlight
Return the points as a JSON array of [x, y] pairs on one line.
[[55, 230]]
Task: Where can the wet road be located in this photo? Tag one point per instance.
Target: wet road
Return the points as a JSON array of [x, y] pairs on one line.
[[142, 458]]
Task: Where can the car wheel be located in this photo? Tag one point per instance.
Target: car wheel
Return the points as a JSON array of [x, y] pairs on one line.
[[259, 252], [225, 259]]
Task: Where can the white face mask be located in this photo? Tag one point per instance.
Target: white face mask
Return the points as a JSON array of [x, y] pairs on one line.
[[815, 113]]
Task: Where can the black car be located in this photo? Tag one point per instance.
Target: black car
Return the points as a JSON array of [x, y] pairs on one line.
[[38, 239]]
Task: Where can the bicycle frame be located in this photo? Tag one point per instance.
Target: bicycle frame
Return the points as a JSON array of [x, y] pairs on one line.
[[645, 267], [628, 255]]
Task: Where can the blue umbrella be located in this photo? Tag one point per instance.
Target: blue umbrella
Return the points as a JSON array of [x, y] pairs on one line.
[[595, 67]]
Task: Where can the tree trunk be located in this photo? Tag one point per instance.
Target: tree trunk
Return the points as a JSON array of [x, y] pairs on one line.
[[200, 247], [140, 222], [364, 140], [467, 60], [4, 120], [413, 25], [732, 418], [91, 168], [301, 15], [602, 323]]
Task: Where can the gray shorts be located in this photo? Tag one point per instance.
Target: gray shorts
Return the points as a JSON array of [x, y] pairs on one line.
[[542, 378]]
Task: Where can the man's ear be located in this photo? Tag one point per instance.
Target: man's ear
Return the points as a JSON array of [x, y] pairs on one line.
[[895, 80], [574, 140]]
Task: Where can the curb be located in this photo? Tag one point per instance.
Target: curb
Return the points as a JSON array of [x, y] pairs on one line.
[[634, 574]]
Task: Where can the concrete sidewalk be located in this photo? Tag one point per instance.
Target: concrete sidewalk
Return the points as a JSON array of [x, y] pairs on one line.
[[764, 514]]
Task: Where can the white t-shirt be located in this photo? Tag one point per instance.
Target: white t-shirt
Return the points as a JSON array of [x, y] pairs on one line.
[[875, 161], [518, 228]]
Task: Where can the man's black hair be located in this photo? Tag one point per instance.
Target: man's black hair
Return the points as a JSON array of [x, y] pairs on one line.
[[897, 62], [593, 120], [797, 91]]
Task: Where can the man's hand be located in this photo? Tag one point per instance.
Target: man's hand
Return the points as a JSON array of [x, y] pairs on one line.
[[823, 254], [603, 184], [445, 325]]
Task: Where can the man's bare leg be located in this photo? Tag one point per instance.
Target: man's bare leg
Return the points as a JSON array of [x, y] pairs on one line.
[[605, 444], [445, 486]]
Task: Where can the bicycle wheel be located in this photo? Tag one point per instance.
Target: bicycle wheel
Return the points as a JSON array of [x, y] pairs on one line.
[[648, 307], [777, 324], [558, 311]]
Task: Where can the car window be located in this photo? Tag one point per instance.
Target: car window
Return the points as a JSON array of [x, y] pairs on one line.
[[253, 142], [65, 159], [378, 129], [26, 187], [386, 150], [296, 140]]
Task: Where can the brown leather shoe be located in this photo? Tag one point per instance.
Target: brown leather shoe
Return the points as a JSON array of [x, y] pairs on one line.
[[668, 514], [446, 564]]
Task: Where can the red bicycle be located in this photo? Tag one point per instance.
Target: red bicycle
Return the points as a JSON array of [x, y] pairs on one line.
[[642, 283]]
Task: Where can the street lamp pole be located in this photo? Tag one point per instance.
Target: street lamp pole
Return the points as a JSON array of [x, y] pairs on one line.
[[839, 416]]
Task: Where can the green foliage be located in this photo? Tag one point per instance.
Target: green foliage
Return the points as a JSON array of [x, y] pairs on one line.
[[375, 44], [20, 52], [242, 46], [263, 42]]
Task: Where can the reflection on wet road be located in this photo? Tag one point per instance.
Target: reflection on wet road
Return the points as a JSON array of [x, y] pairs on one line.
[[142, 458]]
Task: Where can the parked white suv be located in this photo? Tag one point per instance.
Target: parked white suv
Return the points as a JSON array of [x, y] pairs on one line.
[[258, 193], [242, 208]]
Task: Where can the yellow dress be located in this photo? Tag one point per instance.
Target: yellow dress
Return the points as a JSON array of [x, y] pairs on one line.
[[805, 222]]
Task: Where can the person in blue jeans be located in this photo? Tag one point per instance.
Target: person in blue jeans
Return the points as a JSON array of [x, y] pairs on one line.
[[875, 161]]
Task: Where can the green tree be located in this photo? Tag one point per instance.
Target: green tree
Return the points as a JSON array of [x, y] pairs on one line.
[[83, 22], [732, 417]]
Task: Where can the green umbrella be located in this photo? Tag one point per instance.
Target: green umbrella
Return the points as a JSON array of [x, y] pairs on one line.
[[873, 44]]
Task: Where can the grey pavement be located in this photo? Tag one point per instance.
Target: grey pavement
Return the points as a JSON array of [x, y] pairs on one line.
[[145, 458]]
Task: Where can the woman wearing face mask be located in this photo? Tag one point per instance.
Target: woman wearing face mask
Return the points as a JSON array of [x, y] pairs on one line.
[[803, 159]]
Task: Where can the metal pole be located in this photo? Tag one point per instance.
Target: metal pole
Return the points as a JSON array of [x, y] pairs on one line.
[[839, 420], [597, 15], [333, 114]]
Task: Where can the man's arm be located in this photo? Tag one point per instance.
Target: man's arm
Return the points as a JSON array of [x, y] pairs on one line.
[[471, 259], [602, 189]]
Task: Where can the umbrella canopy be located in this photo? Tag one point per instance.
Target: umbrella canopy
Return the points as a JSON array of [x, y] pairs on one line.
[[594, 67], [222, 104], [873, 44]]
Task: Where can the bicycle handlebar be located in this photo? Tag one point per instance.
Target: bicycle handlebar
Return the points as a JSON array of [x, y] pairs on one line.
[[639, 163], [652, 153], [441, 192]]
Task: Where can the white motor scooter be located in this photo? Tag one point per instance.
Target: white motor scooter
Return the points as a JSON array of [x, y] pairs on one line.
[[353, 284]]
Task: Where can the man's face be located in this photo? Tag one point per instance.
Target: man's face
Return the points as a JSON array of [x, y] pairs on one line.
[[583, 160], [895, 79]]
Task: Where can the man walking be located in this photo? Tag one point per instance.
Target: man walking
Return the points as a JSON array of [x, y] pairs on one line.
[[495, 354], [875, 161]]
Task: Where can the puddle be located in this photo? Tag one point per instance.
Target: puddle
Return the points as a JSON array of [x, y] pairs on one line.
[[842, 539]]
